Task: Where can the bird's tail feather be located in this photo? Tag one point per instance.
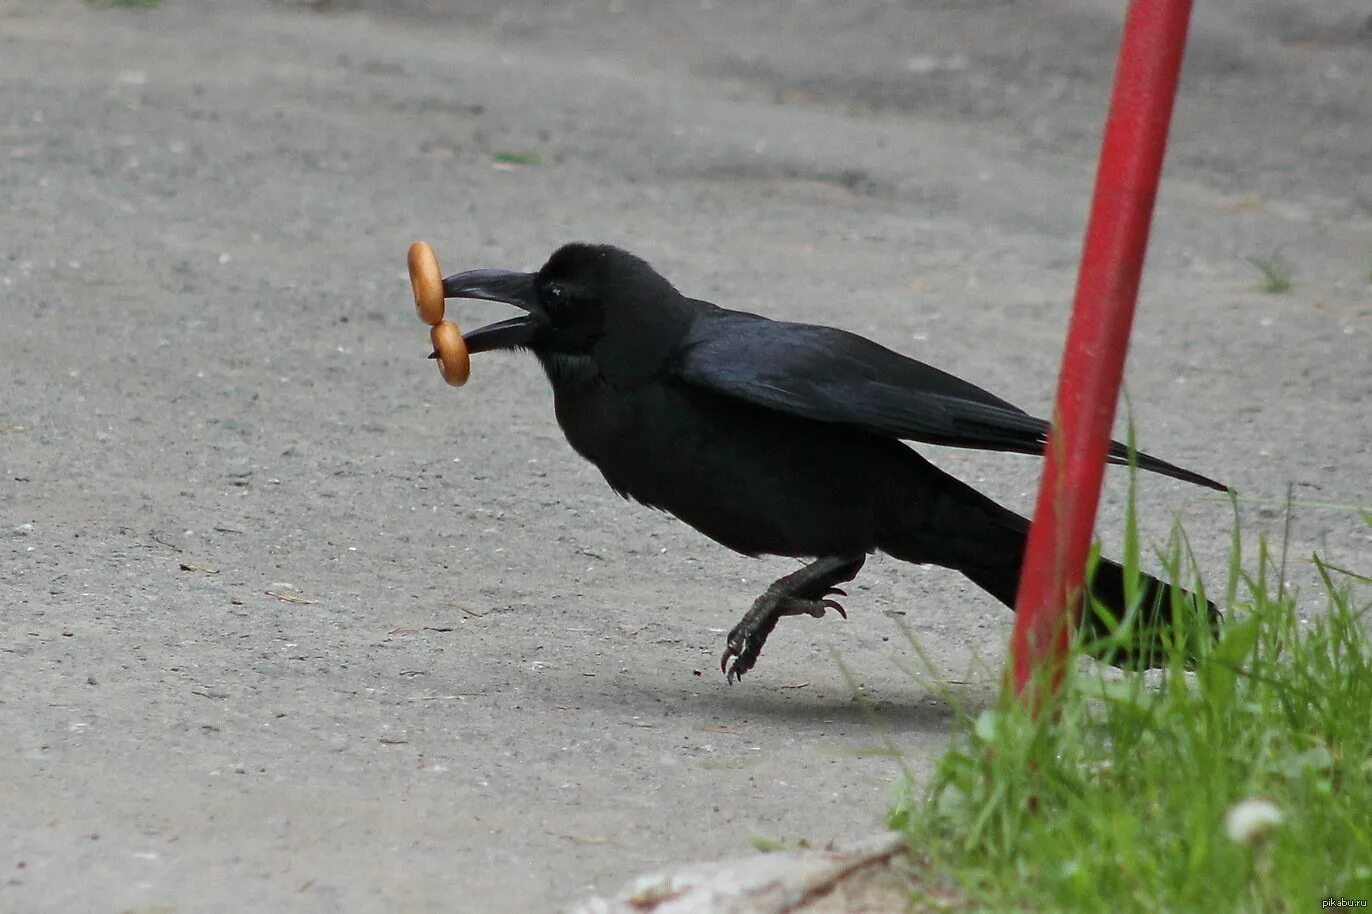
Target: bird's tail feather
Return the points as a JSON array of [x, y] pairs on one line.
[[1153, 622], [986, 542]]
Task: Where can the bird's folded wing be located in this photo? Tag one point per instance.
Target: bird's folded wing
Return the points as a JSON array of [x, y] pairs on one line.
[[831, 375]]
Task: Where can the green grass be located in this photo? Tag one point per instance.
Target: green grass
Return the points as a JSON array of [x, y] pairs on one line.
[[1116, 799], [1276, 273], [513, 157], [770, 844], [124, 2]]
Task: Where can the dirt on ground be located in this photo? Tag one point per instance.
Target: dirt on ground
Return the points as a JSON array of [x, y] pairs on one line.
[[289, 625]]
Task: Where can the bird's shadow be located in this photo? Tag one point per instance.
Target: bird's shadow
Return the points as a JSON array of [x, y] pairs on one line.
[[914, 710], [924, 714]]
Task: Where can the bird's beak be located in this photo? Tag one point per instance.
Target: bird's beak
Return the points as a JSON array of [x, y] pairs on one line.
[[503, 286]]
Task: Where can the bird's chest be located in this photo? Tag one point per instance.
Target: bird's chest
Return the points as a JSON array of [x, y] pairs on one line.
[[644, 441], [754, 480]]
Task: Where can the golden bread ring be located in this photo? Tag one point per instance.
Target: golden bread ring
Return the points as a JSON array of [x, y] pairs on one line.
[[427, 283], [453, 359]]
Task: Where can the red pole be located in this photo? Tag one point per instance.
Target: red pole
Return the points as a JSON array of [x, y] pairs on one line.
[[1093, 361]]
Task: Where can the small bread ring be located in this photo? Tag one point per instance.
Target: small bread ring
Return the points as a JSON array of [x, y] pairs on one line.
[[451, 349], [427, 283]]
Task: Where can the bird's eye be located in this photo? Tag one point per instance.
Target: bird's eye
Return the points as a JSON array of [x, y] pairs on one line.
[[556, 293]]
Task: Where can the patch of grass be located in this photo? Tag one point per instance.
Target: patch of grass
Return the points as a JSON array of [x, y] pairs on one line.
[[1276, 273], [511, 157], [147, 3], [1244, 785], [769, 844]]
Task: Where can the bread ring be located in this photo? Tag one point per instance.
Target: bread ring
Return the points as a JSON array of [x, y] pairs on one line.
[[451, 349], [427, 283]]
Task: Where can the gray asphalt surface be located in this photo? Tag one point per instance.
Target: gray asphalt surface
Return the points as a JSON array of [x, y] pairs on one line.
[[289, 625]]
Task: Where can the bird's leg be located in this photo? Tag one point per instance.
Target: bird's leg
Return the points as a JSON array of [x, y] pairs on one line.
[[804, 592]]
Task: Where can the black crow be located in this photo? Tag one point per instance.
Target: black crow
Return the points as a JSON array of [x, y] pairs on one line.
[[777, 438]]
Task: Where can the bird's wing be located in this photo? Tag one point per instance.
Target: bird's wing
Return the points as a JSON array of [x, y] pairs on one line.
[[831, 375]]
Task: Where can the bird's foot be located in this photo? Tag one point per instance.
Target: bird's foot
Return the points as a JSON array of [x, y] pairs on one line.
[[745, 640]]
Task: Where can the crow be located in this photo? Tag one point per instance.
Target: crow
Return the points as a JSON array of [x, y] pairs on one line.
[[778, 438]]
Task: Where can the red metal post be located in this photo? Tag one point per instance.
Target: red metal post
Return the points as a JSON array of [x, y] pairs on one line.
[[1131, 157]]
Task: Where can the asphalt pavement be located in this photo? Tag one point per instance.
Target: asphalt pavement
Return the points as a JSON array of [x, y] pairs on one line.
[[289, 625]]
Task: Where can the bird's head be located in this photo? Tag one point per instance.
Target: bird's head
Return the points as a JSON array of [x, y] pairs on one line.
[[583, 297]]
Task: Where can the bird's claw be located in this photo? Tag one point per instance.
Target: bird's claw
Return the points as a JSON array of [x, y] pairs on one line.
[[823, 601], [744, 644], [740, 649]]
